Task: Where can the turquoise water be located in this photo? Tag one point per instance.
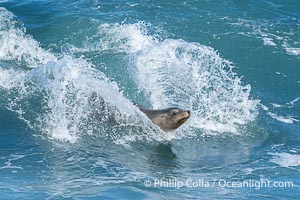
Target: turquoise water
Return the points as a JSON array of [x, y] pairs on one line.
[[70, 70]]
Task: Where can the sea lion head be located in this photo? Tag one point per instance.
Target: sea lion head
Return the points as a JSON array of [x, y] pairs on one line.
[[172, 118]]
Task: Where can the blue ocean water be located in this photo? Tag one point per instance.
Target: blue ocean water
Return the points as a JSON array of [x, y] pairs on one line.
[[70, 70]]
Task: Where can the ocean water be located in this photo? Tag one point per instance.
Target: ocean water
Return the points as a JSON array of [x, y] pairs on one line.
[[71, 70]]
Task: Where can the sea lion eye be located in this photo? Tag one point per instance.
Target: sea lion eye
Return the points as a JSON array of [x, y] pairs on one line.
[[174, 112]]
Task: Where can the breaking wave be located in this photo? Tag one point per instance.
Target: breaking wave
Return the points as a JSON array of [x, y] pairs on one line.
[[66, 97]]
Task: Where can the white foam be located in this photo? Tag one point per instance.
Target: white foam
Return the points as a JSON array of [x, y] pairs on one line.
[[10, 78], [293, 51], [293, 150], [69, 91], [284, 119], [8, 164], [188, 75], [276, 105], [270, 36], [70, 84], [290, 50], [194, 77], [183, 74], [294, 101], [285, 159], [264, 107], [17, 48], [16, 45], [268, 41], [126, 38]]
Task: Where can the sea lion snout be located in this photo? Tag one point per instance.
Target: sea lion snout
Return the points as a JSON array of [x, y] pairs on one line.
[[182, 117], [188, 113]]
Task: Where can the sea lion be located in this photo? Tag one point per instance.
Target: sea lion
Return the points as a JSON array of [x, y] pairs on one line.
[[167, 119]]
